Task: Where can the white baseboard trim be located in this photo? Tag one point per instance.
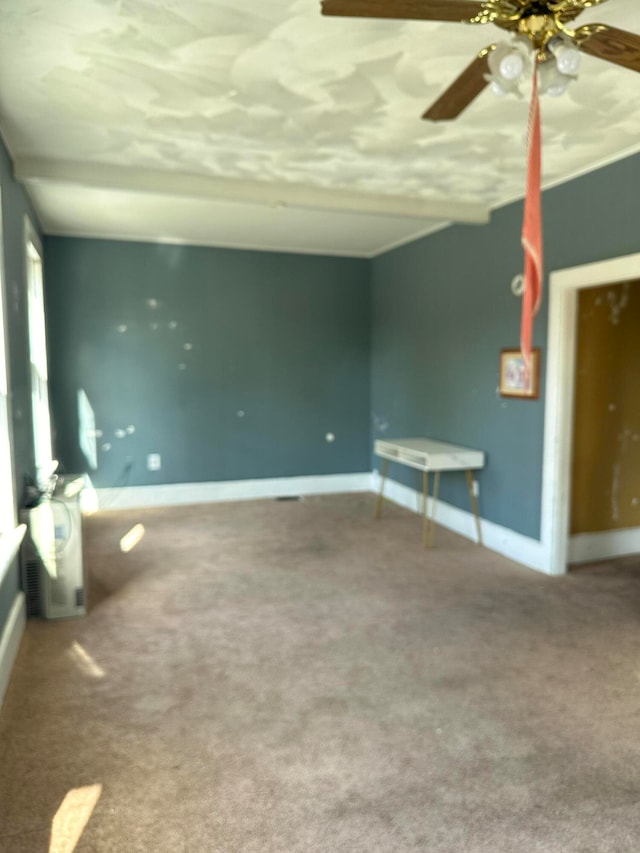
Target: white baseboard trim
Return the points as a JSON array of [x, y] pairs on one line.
[[139, 497], [507, 542], [10, 641], [586, 547], [522, 549]]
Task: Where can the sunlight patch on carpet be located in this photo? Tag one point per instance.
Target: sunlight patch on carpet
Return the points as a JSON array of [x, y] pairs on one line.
[[72, 818], [85, 662], [132, 538]]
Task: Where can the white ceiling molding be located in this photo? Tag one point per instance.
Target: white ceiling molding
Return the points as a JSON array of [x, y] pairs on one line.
[[73, 210], [272, 194]]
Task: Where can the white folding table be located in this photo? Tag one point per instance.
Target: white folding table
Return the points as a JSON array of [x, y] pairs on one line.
[[426, 455]]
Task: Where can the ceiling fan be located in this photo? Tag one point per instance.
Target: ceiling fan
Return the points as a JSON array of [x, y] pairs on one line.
[[542, 25]]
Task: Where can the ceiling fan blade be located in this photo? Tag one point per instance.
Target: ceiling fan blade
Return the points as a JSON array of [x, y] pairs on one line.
[[419, 10], [617, 46], [462, 91]]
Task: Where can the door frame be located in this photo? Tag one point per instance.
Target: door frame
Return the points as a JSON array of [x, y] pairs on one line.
[[560, 387]]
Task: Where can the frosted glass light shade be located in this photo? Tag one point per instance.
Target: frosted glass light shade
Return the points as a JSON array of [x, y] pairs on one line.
[[567, 59], [552, 81], [511, 66]]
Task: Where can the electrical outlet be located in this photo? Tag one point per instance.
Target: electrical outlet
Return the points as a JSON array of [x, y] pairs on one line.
[[154, 462]]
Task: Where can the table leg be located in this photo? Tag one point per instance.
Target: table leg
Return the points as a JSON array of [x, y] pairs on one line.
[[474, 505], [418, 507], [434, 504], [383, 477], [425, 517]]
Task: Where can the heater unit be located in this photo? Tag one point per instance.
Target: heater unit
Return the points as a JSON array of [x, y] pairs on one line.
[[53, 575]]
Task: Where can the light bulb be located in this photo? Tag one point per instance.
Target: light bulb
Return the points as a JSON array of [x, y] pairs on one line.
[[511, 66], [557, 90], [508, 62], [567, 60], [497, 89], [552, 81], [566, 54]]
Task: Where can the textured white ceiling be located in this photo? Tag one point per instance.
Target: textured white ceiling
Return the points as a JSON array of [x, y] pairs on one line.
[[109, 102]]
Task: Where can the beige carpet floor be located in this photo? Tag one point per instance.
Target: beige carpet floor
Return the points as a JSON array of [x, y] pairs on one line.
[[292, 677]]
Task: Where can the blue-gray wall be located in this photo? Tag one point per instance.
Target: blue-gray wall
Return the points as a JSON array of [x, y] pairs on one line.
[[230, 364], [442, 310], [14, 207]]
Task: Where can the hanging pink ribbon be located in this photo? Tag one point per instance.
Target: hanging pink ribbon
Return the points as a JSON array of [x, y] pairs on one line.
[[532, 229]]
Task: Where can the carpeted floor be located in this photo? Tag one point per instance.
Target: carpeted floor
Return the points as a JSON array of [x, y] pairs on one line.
[[291, 677]]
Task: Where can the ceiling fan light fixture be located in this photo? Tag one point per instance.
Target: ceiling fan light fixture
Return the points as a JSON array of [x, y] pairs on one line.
[[509, 61], [501, 87], [566, 54], [552, 81], [497, 89], [512, 66]]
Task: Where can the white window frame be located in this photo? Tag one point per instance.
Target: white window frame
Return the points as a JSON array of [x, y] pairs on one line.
[[40, 409], [10, 533]]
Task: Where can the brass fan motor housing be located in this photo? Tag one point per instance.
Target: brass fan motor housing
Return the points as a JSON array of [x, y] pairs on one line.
[[538, 20]]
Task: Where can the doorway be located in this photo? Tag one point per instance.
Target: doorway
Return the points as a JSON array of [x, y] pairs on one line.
[[564, 286], [605, 487]]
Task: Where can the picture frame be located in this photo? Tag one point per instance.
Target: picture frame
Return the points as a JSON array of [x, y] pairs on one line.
[[514, 381]]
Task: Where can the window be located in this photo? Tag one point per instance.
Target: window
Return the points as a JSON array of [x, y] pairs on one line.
[[7, 510], [10, 536], [7, 518], [38, 357]]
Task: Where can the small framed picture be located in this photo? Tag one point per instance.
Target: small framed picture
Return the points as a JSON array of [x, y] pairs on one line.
[[515, 379]]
